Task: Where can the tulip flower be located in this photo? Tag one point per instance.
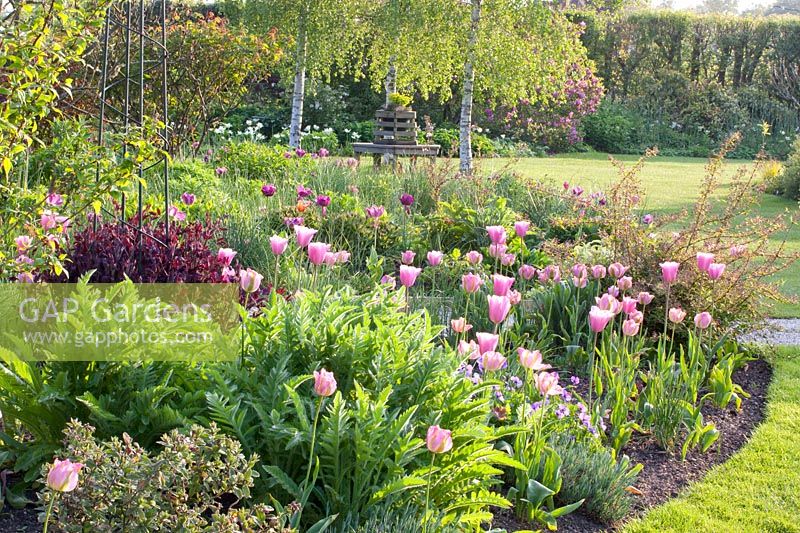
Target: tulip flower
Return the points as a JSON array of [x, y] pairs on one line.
[[342, 256], [316, 252], [578, 270], [302, 191], [435, 257], [501, 284], [324, 383], [473, 257], [176, 213], [514, 297], [531, 360], [497, 234], [23, 242], [439, 440], [580, 282], [676, 315], [375, 211], [304, 235], [487, 342], [408, 275], [323, 152], [636, 316], [702, 320], [407, 257], [187, 198], [278, 244], [599, 318], [499, 307], [459, 325], [647, 219], [547, 383], [471, 283], [250, 280], [629, 305], [606, 302], [225, 256], [507, 259], [527, 272], [704, 259], [598, 271], [497, 250], [737, 250], [63, 475], [54, 199], [406, 200], [492, 361], [630, 327], [669, 271], [388, 280], [521, 228], [715, 270], [613, 290], [645, 298], [269, 190], [470, 349], [617, 270], [624, 283]]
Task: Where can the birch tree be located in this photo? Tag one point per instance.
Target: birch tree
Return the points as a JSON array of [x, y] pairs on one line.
[[321, 38]]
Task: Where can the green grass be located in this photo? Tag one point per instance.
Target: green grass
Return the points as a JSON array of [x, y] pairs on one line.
[[672, 184], [758, 489]]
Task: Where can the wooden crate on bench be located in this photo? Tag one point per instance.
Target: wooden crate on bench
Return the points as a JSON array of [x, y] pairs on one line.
[[396, 127]]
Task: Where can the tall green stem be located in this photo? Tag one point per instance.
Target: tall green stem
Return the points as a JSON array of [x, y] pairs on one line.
[[313, 442], [428, 496], [591, 369], [49, 511]]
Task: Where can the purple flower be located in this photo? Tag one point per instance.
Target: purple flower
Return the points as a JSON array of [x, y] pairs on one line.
[[323, 152], [299, 152], [647, 219], [374, 211], [536, 406], [268, 189], [566, 396], [293, 221], [575, 380], [562, 411], [221, 171], [515, 382], [323, 200], [406, 199], [303, 192], [187, 198]]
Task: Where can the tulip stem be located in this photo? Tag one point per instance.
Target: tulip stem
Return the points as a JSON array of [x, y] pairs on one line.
[[666, 311], [313, 442], [277, 267], [591, 369], [428, 495], [49, 511]]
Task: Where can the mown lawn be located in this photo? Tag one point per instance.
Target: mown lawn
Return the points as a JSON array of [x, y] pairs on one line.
[[672, 184], [758, 489]]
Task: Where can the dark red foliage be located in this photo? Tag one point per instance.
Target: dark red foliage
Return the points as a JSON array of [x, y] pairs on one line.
[[115, 250]]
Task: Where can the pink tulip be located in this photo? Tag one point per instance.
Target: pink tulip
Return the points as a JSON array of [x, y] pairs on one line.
[[521, 228], [499, 307], [624, 283], [613, 290], [578, 270], [459, 325], [598, 271], [176, 213], [329, 259], [317, 251], [645, 298], [492, 361], [278, 244], [324, 383], [703, 320], [629, 305], [54, 199], [531, 360], [669, 271], [501, 284], [636, 316], [471, 283], [188, 198], [497, 250], [514, 297], [581, 282], [606, 302], [737, 250], [617, 270], [599, 318], [225, 256], [507, 259], [704, 259], [715, 270], [407, 257], [63, 475], [48, 220], [439, 440], [473, 257], [250, 280], [630, 327], [304, 235], [375, 211], [23, 242], [470, 349], [527, 272], [676, 315], [497, 234], [342, 256], [547, 383], [487, 342], [408, 275], [388, 280], [435, 258]]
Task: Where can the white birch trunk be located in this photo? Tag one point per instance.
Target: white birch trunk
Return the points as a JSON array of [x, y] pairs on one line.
[[465, 123], [298, 94], [391, 87]]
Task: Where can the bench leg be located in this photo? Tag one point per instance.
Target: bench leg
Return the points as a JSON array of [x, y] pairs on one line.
[[376, 160]]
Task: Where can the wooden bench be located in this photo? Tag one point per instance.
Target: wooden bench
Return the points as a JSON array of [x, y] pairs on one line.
[[407, 150]]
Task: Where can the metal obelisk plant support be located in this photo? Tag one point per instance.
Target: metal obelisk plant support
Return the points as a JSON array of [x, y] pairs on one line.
[[135, 36]]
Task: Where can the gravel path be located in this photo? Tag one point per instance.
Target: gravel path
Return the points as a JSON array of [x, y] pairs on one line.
[[780, 331]]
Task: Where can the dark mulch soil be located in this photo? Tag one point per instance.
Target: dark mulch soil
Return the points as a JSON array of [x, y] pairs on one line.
[[664, 474], [663, 477]]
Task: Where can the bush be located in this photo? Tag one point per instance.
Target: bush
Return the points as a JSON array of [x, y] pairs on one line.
[[181, 488], [594, 474], [611, 129], [113, 252], [788, 183], [257, 161]]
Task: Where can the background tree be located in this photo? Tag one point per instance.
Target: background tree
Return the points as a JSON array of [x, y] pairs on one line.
[[323, 36]]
